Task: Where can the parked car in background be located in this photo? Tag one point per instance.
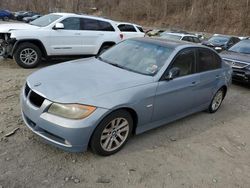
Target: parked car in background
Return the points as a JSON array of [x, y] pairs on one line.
[[32, 18], [135, 86], [60, 35], [5, 15], [244, 38], [221, 42], [22, 14], [129, 30], [154, 32], [238, 56], [180, 36]]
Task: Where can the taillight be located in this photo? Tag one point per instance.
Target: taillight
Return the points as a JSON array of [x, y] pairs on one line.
[[121, 36]]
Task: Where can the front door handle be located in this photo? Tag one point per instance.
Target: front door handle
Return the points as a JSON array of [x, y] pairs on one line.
[[193, 84], [77, 33]]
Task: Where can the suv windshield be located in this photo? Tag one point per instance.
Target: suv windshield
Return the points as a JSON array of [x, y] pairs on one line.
[[170, 36], [137, 56], [219, 39], [45, 20], [241, 47]]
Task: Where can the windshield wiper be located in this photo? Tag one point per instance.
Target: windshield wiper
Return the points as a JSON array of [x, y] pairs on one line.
[[114, 64]]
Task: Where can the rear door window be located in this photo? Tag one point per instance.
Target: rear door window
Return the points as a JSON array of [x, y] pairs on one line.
[[196, 40], [140, 29], [207, 60], [126, 28]]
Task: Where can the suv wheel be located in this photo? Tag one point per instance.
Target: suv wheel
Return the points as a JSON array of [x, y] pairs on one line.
[[6, 18], [217, 100], [27, 55], [112, 133]]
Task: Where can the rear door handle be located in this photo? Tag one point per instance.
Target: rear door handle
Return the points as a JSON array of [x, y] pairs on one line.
[[77, 33]]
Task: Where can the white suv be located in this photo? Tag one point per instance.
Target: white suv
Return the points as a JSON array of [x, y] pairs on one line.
[[59, 34]]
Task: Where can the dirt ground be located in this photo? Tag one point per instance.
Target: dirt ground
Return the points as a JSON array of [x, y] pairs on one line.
[[203, 150]]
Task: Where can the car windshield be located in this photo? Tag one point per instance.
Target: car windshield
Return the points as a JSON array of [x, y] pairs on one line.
[[219, 39], [137, 56], [170, 36], [241, 47], [45, 20]]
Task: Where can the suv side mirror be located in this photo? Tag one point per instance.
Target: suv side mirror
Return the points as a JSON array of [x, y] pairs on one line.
[[58, 26], [173, 73]]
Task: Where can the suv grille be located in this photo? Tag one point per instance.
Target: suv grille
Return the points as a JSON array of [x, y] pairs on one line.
[[36, 99]]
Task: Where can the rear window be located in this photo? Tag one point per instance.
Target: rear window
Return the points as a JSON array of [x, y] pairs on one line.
[[126, 28], [140, 29], [96, 25], [208, 60]]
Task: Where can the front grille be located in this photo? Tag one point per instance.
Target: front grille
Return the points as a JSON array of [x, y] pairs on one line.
[[26, 90], [36, 99], [236, 64]]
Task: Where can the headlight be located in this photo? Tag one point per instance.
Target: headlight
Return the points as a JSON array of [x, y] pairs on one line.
[[71, 111], [218, 48]]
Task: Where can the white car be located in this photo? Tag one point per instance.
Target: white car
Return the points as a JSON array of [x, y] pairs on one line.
[[59, 34], [180, 36], [129, 30]]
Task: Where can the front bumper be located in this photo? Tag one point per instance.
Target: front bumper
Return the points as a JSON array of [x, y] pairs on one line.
[[69, 135], [241, 75], [6, 45]]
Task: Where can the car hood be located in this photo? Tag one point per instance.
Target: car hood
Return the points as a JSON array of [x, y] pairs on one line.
[[5, 28], [82, 80], [212, 44], [236, 56]]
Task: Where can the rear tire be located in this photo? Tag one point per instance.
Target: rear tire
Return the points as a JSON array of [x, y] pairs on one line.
[[216, 101], [27, 55], [112, 133]]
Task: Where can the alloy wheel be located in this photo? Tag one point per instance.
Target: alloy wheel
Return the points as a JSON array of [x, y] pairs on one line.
[[28, 56], [218, 98], [114, 134]]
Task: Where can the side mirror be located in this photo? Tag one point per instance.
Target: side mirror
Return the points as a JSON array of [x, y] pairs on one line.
[[58, 26], [173, 73]]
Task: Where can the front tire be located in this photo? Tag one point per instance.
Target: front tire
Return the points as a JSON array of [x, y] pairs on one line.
[[216, 101], [6, 18], [27, 55], [112, 133]]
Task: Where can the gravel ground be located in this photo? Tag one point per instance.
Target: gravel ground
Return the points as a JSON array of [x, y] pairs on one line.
[[202, 150]]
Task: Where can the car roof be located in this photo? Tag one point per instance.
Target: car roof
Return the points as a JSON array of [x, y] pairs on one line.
[[82, 15], [168, 43], [118, 23], [181, 34], [226, 36]]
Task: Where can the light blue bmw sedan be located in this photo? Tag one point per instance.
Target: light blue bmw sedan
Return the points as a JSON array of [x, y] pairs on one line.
[[135, 86]]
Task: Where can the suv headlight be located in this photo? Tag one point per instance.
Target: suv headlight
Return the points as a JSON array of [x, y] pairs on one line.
[[71, 111]]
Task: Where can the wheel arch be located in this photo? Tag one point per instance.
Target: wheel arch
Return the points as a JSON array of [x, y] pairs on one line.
[[224, 87], [36, 42], [106, 43], [130, 110]]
